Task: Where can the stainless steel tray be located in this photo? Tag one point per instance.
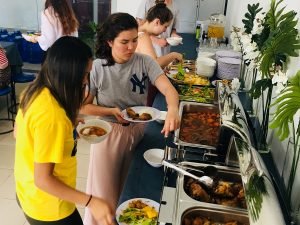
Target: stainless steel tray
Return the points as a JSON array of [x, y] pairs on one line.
[[186, 107], [227, 173], [216, 215]]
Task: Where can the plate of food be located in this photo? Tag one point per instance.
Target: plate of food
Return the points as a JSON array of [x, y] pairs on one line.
[[27, 37], [141, 114], [93, 130], [189, 78], [137, 211]]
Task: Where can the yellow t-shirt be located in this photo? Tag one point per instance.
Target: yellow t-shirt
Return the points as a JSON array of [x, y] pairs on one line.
[[44, 135]]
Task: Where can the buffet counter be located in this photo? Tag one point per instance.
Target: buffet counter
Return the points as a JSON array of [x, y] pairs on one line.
[[240, 171], [243, 192]]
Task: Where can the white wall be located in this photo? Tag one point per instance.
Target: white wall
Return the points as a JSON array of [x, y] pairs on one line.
[[187, 11], [129, 6], [21, 14]]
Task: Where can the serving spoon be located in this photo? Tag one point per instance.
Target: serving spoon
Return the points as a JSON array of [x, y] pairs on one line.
[[210, 171], [206, 180]]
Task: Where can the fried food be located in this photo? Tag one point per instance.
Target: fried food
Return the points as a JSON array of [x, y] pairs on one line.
[[138, 204], [136, 116], [132, 114], [225, 189], [201, 220], [145, 116], [223, 193], [197, 191]]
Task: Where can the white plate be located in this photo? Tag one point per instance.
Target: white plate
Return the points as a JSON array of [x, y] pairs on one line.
[[125, 204], [94, 122], [162, 117], [155, 113], [154, 156], [172, 72], [173, 41], [27, 37]]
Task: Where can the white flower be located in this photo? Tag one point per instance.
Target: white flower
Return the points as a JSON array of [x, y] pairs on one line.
[[279, 88], [251, 55], [258, 23], [250, 48], [246, 39], [235, 84], [279, 77], [257, 28]]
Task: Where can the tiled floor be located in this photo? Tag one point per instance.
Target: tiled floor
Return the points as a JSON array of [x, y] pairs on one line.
[[10, 213]]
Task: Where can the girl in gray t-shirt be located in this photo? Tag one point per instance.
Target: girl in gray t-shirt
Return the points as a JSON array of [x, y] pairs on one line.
[[119, 79]]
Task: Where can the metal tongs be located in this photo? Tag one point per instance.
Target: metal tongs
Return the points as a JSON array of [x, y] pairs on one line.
[[206, 180]]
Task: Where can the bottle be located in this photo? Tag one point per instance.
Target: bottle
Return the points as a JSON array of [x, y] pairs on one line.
[[204, 38], [198, 32]]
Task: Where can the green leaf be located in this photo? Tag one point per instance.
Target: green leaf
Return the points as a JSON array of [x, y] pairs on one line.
[[255, 190], [250, 16], [282, 41], [287, 104], [259, 87]]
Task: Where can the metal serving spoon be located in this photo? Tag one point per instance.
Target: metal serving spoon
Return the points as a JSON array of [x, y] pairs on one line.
[[210, 171], [206, 180]]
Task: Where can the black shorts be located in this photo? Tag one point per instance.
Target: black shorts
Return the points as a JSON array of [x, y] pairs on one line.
[[73, 219]]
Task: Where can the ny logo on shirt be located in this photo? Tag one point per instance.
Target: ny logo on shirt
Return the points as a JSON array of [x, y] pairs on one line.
[[136, 83]]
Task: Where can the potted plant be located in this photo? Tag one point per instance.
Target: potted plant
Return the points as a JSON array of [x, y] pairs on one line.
[[88, 34], [276, 38], [287, 105]]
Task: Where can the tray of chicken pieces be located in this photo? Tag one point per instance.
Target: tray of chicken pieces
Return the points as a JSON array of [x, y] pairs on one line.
[[227, 190]]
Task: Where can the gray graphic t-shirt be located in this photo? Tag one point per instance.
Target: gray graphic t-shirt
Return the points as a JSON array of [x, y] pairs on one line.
[[123, 85]]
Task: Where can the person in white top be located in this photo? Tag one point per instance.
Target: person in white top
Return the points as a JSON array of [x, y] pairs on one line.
[[57, 20], [158, 19], [159, 42]]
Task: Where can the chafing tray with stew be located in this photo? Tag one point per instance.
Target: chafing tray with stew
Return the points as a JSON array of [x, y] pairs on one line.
[[203, 216], [200, 125]]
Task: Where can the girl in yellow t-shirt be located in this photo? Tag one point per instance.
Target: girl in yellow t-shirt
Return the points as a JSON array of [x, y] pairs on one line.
[[45, 161]]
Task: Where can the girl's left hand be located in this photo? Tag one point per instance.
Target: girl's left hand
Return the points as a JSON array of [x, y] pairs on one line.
[[172, 121]]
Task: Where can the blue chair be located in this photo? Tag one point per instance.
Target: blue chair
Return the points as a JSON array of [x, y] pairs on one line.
[[5, 92], [18, 78]]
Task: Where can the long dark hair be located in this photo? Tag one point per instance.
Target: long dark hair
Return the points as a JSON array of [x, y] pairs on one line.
[[62, 73], [65, 14], [109, 30], [159, 11]]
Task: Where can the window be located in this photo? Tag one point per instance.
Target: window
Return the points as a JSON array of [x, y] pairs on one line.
[[88, 11]]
